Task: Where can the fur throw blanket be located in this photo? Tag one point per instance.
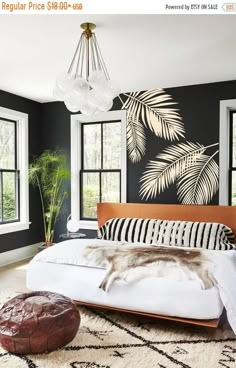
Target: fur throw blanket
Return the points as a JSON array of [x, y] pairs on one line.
[[135, 262]]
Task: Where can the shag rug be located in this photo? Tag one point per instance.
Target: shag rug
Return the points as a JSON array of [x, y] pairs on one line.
[[118, 340]]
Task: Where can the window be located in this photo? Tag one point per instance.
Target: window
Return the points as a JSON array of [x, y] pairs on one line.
[[100, 174], [13, 171], [9, 174], [232, 159], [226, 161], [98, 163]]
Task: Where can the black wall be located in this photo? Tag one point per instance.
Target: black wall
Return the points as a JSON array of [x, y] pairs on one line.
[[55, 135], [35, 233], [199, 108], [49, 128]]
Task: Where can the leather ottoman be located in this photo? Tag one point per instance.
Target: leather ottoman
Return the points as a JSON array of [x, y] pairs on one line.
[[38, 322]]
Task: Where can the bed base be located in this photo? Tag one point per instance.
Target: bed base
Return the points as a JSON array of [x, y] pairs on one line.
[[212, 323]]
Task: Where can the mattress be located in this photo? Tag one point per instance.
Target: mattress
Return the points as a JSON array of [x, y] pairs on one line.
[[160, 295]]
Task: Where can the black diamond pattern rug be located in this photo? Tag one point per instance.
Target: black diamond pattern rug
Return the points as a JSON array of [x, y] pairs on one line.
[[118, 340]]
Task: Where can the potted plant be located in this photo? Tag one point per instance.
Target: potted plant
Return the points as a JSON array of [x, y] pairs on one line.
[[48, 172]]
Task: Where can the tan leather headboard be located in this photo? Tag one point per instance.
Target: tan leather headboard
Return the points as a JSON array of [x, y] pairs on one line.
[[222, 214]]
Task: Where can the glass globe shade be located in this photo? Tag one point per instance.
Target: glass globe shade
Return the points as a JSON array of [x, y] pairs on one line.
[[106, 105], [108, 94], [88, 109], [97, 79], [94, 98], [112, 90], [106, 97], [72, 99], [72, 108], [80, 86], [58, 93], [73, 226], [64, 81]]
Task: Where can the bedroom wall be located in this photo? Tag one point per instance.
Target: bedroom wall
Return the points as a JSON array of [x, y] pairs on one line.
[[197, 122], [35, 233]]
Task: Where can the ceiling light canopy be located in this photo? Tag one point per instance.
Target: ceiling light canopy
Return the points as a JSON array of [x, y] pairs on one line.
[[86, 87]]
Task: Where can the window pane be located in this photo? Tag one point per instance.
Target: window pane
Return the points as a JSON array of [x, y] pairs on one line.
[[92, 146], [0, 199], [233, 195], [7, 145], [112, 146], [9, 197], [110, 187], [234, 141], [90, 194]]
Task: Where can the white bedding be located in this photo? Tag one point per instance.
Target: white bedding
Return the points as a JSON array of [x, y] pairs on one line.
[[62, 269]]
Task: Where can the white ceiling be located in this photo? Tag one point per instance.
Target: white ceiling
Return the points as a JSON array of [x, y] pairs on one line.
[[140, 51]]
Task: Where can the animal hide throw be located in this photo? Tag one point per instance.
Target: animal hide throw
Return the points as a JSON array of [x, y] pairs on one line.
[[134, 262]]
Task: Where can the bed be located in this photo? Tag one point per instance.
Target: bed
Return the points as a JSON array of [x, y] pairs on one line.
[[57, 269]]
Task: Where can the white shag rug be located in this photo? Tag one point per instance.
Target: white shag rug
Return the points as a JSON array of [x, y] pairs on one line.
[[117, 340]]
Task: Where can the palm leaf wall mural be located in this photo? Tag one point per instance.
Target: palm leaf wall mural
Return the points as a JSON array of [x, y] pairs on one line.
[[154, 109], [173, 165], [136, 139], [187, 164], [199, 182]]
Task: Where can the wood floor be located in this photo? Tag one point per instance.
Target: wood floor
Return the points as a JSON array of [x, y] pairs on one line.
[[13, 276]]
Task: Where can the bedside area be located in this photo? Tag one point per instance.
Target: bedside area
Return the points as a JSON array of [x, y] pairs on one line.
[[68, 236]]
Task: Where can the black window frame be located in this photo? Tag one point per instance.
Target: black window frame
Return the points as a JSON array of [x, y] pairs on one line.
[[99, 171], [17, 178]]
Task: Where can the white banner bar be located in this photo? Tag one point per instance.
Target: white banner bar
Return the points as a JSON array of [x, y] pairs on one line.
[[117, 7]]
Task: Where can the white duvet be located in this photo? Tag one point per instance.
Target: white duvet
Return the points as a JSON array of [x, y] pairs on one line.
[[72, 252]]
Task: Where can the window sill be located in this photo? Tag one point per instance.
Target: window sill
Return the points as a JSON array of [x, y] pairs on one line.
[[88, 225], [13, 227]]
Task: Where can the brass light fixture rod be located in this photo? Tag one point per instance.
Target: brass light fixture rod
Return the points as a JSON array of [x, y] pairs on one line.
[[88, 27], [87, 56]]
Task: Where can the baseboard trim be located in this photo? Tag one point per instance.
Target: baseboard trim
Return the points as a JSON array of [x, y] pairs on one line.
[[19, 254]]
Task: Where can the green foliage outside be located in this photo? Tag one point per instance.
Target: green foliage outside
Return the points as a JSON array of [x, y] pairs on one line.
[[9, 198], [9, 210], [91, 198], [233, 193], [90, 201]]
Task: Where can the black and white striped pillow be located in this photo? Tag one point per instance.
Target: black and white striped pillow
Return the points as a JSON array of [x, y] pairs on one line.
[[193, 234], [134, 230]]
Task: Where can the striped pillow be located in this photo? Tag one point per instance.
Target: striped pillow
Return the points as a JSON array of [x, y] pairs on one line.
[[193, 234], [134, 230]]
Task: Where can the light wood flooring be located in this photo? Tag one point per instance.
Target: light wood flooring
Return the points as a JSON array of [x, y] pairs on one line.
[[13, 276]]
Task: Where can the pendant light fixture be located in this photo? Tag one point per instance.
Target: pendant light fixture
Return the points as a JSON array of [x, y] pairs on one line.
[[86, 87]]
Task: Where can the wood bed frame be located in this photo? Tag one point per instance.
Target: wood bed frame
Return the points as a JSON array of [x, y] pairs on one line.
[[221, 214]]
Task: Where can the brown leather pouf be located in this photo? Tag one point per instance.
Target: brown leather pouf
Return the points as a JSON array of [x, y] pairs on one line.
[[38, 322]]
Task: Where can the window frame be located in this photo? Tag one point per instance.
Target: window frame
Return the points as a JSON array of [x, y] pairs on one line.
[[231, 167], [99, 171], [21, 166], [16, 172], [226, 106], [77, 121]]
